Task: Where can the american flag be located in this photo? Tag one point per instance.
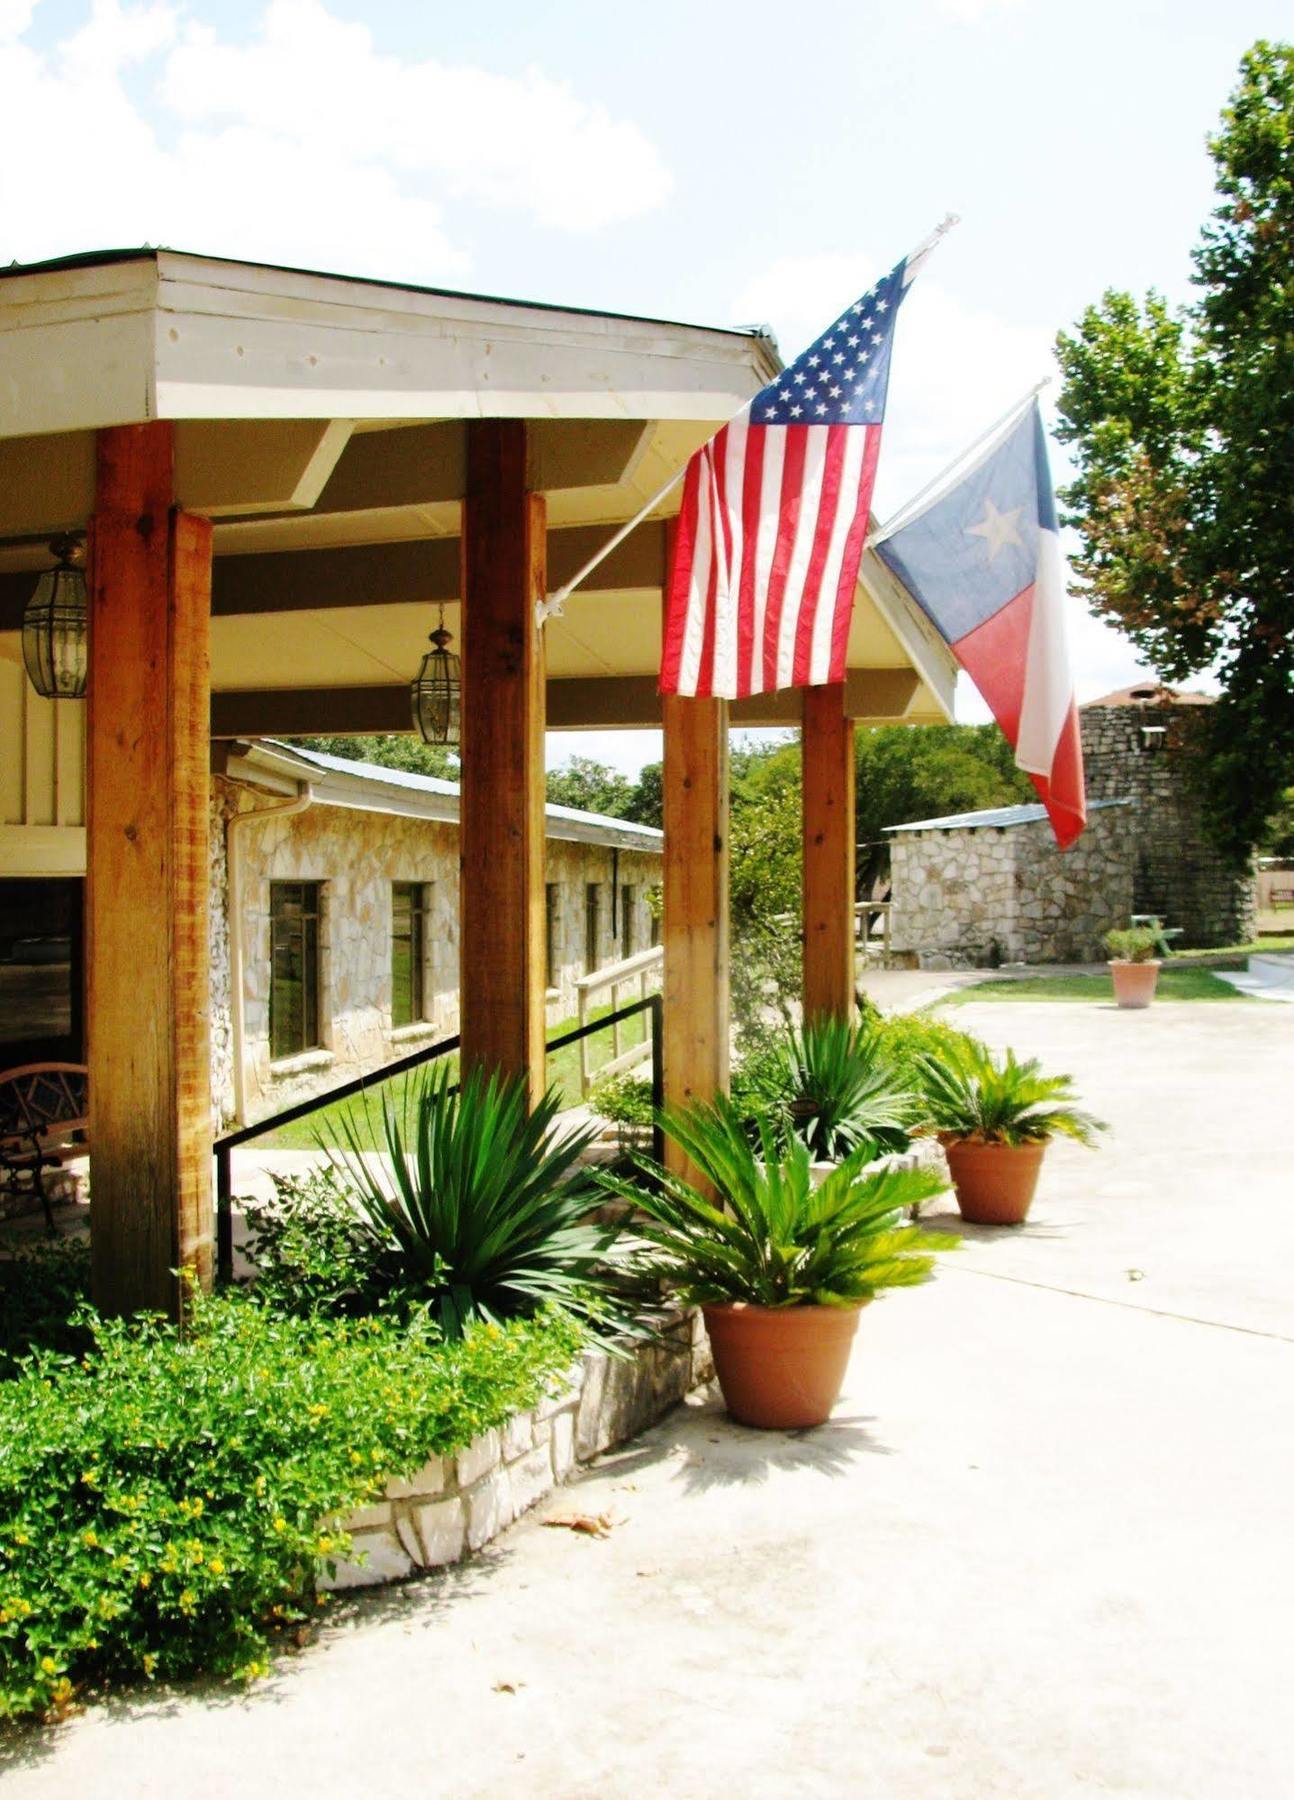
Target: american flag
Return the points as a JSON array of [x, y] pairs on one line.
[[774, 517]]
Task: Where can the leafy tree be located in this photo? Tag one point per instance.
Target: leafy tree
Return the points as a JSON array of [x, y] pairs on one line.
[[1182, 426], [903, 773], [590, 786], [392, 751]]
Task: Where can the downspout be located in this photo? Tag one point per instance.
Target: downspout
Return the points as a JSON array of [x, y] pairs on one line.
[[233, 878]]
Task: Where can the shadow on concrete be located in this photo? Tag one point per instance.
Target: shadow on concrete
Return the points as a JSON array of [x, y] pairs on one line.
[[711, 1450], [1031, 1230], [420, 1598]]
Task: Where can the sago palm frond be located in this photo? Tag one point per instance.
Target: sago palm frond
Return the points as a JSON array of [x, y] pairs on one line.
[[967, 1091], [770, 1237]]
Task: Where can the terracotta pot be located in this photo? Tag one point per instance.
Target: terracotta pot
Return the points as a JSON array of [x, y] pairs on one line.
[[994, 1183], [1134, 983], [781, 1367]]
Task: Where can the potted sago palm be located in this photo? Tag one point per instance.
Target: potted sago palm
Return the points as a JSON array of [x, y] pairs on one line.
[[995, 1119], [781, 1268], [1134, 964], [839, 1094]]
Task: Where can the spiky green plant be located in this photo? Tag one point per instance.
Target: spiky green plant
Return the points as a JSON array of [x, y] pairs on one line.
[[478, 1205], [841, 1092], [770, 1237], [969, 1093]]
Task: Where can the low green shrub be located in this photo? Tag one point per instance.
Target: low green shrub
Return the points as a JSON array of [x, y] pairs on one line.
[[164, 1501], [44, 1282], [624, 1099], [311, 1249], [903, 1039]]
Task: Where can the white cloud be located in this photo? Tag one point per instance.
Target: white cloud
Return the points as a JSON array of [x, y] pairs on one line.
[[304, 144]]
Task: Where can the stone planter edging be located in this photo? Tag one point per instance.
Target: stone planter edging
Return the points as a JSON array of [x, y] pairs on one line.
[[456, 1504]]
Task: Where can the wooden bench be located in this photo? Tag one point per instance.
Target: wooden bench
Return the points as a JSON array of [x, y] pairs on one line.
[[44, 1123]]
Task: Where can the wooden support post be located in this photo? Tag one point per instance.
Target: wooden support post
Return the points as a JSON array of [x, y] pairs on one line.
[[696, 901], [501, 834], [827, 750], [146, 937]]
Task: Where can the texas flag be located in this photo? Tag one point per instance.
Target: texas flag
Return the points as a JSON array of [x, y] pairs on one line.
[[983, 562]]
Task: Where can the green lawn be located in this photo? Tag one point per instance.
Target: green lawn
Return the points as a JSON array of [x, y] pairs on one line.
[[1174, 984], [1272, 941], [366, 1109]]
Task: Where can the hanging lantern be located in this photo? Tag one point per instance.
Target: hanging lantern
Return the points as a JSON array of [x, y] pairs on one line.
[[53, 626], [436, 691]]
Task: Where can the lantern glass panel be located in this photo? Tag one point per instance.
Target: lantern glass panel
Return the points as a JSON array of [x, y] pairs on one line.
[[435, 696], [54, 635]]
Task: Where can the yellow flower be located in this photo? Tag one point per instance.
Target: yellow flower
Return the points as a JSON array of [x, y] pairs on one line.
[[20, 1537], [317, 1411], [150, 1662], [188, 1600], [90, 1538], [323, 1544], [258, 1486], [146, 1580], [48, 1665], [280, 1524], [216, 1566], [61, 1692]]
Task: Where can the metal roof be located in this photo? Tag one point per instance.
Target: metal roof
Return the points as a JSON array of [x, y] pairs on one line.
[[994, 818], [562, 821]]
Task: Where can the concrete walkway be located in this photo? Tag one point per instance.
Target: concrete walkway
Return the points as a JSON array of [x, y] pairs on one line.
[[1043, 1549]]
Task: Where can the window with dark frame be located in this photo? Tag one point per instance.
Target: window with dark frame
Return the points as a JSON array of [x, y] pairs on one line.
[[408, 953], [551, 903], [592, 925], [628, 924], [294, 967]]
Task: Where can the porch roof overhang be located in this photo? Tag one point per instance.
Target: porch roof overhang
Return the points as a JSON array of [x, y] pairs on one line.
[[321, 424], [366, 787]]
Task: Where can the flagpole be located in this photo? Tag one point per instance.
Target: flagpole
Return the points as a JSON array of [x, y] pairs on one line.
[[898, 519], [553, 606]]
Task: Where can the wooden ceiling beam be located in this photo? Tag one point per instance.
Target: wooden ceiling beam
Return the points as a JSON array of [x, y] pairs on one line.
[[609, 703]]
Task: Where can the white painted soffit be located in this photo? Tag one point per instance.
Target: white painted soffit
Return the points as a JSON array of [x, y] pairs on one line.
[[280, 771], [925, 650], [172, 335]]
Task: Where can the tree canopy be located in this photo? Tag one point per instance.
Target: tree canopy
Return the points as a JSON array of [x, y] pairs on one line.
[[1181, 423], [391, 751]]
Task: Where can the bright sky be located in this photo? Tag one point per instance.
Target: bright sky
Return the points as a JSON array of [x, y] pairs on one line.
[[702, 160]]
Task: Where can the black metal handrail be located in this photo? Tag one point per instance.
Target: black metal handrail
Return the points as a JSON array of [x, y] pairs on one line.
[[224, 1147]]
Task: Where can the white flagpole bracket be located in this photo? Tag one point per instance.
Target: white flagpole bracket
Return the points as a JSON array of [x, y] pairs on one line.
[[554, 605]]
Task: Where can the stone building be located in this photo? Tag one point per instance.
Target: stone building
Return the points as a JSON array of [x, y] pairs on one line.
[[334, 887], [1140, 742], [976, 889]]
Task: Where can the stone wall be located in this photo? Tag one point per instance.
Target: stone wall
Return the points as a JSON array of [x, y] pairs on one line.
[[457, 1504], [356, 856], [975, 897], [1177, 872]]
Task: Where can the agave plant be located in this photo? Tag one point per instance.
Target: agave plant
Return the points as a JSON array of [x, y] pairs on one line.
[[828, 1086], [969, 1093], [478, 1202], [770, 1237]]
